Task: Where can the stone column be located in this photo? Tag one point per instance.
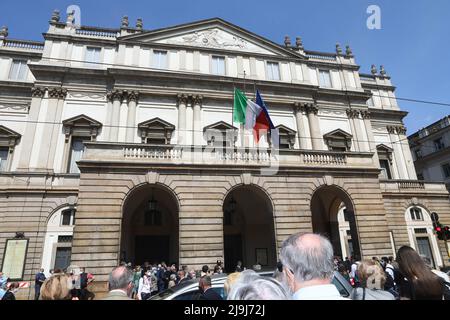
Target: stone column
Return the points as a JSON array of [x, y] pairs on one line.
[[131, 131], [352, 114], [57, 129], [54, 95], [302, 134], [398, 157], [27, 139], [370, 137], [109, 115], [409, 163], [182, 103], [117, 97], [197, 120], [314, 127]]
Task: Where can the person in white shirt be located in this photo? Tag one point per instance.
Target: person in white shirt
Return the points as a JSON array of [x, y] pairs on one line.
[[145, 286], [308, 267]]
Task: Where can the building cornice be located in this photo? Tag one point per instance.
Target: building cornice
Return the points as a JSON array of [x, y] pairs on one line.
[[387, 115]]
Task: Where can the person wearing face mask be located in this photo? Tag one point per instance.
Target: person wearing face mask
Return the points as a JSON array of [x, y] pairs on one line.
[[145, 286], [10, 294]]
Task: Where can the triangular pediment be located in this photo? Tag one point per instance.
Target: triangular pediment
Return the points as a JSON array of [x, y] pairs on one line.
[[6, 132], [82, 120], [221, 125], [156, 123], [285, 130], [383, 147], [213, 34], [338, 134]]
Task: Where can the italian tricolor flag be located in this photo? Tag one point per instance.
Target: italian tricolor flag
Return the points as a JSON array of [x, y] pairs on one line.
[[254, 116]]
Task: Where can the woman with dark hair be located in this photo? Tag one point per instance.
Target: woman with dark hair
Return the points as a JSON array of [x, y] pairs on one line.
[[415, 280]]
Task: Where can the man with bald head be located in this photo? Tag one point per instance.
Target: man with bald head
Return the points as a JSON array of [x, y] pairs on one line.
[[308, 267], [120, 284]]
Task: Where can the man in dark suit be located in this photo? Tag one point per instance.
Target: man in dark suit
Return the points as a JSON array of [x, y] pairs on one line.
[[208, 292]]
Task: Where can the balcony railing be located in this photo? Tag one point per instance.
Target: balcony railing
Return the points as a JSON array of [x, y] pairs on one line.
[[140, 153], [22, 44], [411, 186]]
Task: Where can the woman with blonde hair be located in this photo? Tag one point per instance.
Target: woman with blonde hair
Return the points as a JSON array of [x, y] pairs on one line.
[[57, 287], [231, 279], [372, 279]]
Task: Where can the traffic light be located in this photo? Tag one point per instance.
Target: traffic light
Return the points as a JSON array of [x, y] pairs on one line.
[[442, 232], [447, 233]]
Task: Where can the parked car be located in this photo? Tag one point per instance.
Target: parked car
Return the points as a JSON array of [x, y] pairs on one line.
[[189, 290]]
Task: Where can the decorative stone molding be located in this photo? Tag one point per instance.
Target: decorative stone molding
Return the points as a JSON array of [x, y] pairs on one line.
[[37, 92], [287, 136], [139, 24], [305, 107], [4, 32], [373, 70], [312, 108], [299, 43], [385, 152], [390, 129], [57, 93], [8, 138], [348, 52], [156, 129], [338, 139], [125, 22], [401, 130], [352, 113]]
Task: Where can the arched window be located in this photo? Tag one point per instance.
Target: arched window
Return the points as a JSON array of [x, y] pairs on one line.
[[58, 239], [420, 233]]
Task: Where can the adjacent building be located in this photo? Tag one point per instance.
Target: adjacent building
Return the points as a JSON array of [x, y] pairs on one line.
[[430, 147], [112, 149]]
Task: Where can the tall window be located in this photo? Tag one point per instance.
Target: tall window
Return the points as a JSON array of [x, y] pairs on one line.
[[273, 71], [18, 70], [76, 153], [218, 65], [159, 59], [93, 55], [4, 151], [385, 169], [416, 213], [446, 170], [439, 144], [324, 78]]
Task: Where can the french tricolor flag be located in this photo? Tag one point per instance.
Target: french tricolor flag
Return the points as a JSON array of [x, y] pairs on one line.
[[257, 118]]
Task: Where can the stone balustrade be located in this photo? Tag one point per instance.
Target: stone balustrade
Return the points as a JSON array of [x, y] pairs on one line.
[[411, 186], [22, 44]]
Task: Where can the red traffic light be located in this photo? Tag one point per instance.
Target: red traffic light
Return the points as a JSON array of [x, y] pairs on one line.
[[438, 229]]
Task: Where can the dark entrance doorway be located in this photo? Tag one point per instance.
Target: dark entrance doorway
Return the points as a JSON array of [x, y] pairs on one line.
[[150, 226], [333, 216], [249, 234], [152, 249], [233, 251]]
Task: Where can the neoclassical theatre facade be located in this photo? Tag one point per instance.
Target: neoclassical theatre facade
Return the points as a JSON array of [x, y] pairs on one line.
[[111, 149]]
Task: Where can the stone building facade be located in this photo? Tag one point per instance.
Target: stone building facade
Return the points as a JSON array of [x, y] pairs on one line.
[[111, 149]]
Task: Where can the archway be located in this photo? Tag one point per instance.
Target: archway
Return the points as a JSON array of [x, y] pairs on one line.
[[333, 215], [150, 226], [249, 234]]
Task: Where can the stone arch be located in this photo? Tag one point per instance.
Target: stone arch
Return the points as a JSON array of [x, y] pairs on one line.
[[70, 201], [149, 229]]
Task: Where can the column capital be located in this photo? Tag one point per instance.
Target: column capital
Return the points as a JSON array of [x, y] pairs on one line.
[[365, 114], [57, 93], [401, 129], [197, 100], [352, 113], [37, 92], [115, 95], [312, 108], [133, 96], [391, 129], [182, 99]]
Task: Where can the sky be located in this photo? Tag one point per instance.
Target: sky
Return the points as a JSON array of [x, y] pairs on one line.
[[413, 43]]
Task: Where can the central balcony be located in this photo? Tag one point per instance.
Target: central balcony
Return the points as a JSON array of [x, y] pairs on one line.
[[208, 155]]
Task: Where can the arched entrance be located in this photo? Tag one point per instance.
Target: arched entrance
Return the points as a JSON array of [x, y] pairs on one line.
[[333, 216], [150, 226], [249, 234]]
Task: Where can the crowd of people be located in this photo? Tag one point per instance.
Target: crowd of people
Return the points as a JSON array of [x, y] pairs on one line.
[[305, 272]]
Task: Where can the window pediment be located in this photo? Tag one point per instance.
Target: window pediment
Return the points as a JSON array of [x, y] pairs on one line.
[[287, 137], [384, 152], [226, 132], [156, 130], [338, 140], [82, 126], [8, 137]]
